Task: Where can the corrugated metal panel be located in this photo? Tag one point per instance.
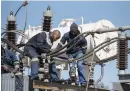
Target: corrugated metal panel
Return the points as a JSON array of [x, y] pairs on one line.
[[26, 83], [7, 82], [10, 83]]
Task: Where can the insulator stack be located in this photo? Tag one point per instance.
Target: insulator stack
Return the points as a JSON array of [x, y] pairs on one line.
[[11, 26], [122, 57], [47, 24], [41, 64], [47, 20], [21, 66]]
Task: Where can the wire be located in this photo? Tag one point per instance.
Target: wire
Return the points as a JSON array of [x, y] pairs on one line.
[[24, 4], [96, 50], [16, 31], [3, 29], [97, 47], [26, 18], [68, 48], [87, 55], [66, 44], [98, 31], [102, 73], [110, 58], [12, 45], [18, 10], [25, 23], [100, 62]]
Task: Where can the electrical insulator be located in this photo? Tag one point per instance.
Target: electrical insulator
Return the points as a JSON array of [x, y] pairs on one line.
[[122, 57], [11, 26], [21, 66], [47, 19]]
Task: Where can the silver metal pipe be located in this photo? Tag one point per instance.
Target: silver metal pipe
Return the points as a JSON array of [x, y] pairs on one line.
[[102, 74]]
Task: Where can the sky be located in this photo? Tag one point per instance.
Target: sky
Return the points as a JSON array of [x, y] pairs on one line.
[[116, 12]]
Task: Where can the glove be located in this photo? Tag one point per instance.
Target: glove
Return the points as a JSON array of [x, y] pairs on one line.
[[71, 60], [43, 55], [35, 60], [52, 50], [5, 67], [84, 50]]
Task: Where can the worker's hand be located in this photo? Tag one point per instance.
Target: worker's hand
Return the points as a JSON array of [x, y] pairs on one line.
[[5, 67], [52, 50], [43, 55], [71, 60]]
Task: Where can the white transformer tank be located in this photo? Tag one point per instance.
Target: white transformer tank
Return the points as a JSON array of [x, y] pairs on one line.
[[104, 53]]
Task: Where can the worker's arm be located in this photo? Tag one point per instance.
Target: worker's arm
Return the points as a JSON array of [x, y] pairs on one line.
[[83, 44], [62, 41], [42, 44]]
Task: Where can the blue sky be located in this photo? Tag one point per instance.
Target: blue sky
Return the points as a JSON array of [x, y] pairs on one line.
[[116, 12]]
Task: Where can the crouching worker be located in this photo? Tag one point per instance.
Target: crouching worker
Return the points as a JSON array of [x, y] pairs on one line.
[[38, 44], [7, 58], [75, 52]]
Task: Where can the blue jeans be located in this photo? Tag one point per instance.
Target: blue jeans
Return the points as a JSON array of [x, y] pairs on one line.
[[53, 72], [31, 52], [80, 65]]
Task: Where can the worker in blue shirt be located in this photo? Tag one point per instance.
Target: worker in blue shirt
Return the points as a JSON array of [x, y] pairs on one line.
[[77, 51], [38, 44], [8, 57]]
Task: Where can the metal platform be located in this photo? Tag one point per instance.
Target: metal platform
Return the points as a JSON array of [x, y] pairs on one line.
[[121, 86], [58, 87]]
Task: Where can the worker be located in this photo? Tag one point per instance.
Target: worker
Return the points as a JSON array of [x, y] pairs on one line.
[[77, 51], [37, 45], [8, 58]]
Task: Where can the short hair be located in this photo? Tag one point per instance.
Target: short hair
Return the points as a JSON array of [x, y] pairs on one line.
[[57, 33]]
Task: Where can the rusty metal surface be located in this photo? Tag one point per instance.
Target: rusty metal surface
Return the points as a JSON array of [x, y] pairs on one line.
[[57, 86]]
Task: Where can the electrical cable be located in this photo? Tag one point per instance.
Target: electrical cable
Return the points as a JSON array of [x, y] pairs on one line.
[[110, 58], [66, 44], [18, 10], [16, 31], [65, 61], [24, 4], [98, 46], [96, 50], [59, 53], [25, 23], [3, 29], [102, 74], [26, 18], [98, 31], [12, 45]]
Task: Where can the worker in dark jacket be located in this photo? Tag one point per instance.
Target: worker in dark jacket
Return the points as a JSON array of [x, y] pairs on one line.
[[38, 44], [77, 51]]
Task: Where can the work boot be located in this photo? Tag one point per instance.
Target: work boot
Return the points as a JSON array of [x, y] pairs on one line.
[[84, 84], [35, 77], [61, 81]]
